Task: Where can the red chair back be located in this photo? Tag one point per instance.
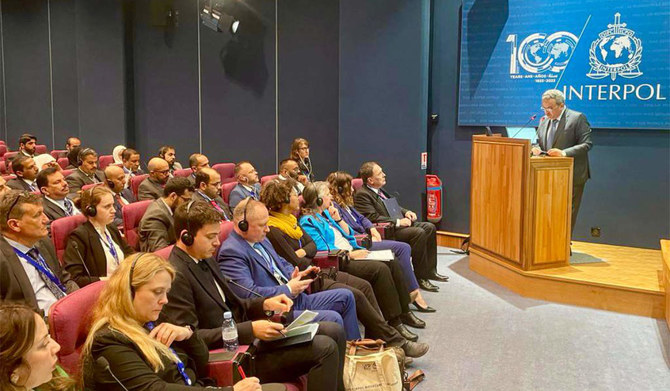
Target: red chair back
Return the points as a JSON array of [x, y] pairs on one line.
[[3, 167], [70, 321], [104, 161], [357, 183], [86, 187], [225, 230], [136, 181], [2, 142], [40, 149], [164, 252], [267, 179], [9, 156], [226, 189], [59, 153], [184, 172], [132, 214], [226, 170], [66, 172], [63, 162], [3, 150], [60, 232]]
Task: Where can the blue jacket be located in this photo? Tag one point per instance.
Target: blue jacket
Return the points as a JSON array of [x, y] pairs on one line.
[[320, 229], [355, 220], [239, 193]]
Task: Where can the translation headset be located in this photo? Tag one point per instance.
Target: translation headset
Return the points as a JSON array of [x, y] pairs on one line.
[[186, 236], [91, 210], [312, 189], [80, 154], [243, 225], [130, 275]]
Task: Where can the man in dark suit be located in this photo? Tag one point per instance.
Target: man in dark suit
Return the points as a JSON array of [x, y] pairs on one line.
[[54, 188], [131, 163], [27, 143], [115, 180], [152, 187], [369, 201], [208, 188], [86, 173], [197, 162], [200, 295], [71, 143], [26, 171], [248, 258], [247, 184], [564, 132], [29, 269], [156, 228]]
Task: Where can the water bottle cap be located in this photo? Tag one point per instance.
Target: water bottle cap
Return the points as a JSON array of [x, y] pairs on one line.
[[227, 315]]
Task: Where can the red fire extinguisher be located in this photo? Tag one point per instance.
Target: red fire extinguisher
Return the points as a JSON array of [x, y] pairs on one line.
[[434, 198]]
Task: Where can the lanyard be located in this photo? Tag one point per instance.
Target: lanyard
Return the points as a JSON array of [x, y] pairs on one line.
[[180, 365], [41, 266], [272, 265], [112, 249]]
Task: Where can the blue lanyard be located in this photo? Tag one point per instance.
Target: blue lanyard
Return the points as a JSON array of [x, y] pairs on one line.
[[180, 365], [271, 264], [110, 245], [41, 266]]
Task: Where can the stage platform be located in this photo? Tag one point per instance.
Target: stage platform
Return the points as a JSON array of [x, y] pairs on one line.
[[613, 278]]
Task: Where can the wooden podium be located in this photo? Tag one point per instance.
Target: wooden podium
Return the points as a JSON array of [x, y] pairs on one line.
[[520, 206]]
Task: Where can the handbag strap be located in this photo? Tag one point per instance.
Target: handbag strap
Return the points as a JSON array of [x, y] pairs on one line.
[[366, 344]]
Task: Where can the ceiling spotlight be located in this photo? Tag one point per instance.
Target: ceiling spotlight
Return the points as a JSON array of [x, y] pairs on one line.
[[217, 20]]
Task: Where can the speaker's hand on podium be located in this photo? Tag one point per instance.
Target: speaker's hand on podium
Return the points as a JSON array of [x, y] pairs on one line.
[[536, 151], [555, 152]]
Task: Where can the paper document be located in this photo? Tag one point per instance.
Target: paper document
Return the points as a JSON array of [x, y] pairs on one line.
[[380, 255], [304, 318]]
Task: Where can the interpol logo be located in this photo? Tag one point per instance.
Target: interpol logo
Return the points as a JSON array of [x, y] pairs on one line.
[[616, 52]]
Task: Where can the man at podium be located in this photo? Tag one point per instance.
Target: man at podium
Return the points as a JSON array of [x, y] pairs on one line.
[[565, 132]]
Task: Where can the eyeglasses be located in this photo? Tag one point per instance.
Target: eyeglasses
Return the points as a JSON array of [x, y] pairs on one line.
[[16, 201], [552, 108]]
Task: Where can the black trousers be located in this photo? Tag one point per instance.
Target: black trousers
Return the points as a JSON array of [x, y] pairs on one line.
[[367, 309], [322, 360], [577, 191], [421, 236]]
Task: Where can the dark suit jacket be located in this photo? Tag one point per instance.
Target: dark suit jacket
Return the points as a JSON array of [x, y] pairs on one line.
[[194, 300], [90, 249], [19, 184], [156, 228], [149, 190], [227, 212], [78, 179], [239, 193], [286, 247], [53, 212], [118, 207], [14, 283], [573, 135], [370, 205]]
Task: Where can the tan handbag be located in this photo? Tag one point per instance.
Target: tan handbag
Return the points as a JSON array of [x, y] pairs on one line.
[[369, 366]]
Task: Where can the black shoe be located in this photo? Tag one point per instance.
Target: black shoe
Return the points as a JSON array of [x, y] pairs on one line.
[[408, 361], [438, 277], [423, 309], [404, 331], [412, 320], [428, 286], [415, 349]]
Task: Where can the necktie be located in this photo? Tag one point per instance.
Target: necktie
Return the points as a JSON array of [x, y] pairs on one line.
[[275, 270], [382, 195], [552, 133], [253, 194], [31, 187], [68, 207], [55, 289]]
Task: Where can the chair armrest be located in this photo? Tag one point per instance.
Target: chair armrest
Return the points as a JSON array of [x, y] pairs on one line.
[[386, 230], [324, 261], [224, 372]]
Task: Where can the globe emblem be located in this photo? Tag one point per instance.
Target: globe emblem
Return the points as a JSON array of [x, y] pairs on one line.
[[616, 52], [540, 53], [616, 49]]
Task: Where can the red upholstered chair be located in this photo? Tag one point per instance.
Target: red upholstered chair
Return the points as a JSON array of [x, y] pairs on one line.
[[136, 181], [226, 170], [267, 178], [132, 214], [184, 172], [66, 172], [3, 167], [9, 156], [226, 189], [3, 150], [59, 153], [40, 149], [63, 162], [356, 183], [104, 161], [8, 177], [164, 252], [86, 187], [60, 232], [70, 321], [224, 231], [2, 142]]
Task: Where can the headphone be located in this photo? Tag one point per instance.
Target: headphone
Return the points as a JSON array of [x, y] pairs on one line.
[[311, 188], [80, 154], [243, 225], [186, 237], [130, 275], [91, 209], [110, 184]]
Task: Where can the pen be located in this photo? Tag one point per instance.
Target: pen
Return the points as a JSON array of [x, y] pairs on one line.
[[241, 372]]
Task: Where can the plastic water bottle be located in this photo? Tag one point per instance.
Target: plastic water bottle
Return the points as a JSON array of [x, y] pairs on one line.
[[229, 332]]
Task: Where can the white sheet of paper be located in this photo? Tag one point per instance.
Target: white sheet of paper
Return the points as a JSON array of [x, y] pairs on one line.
[[380, 255]]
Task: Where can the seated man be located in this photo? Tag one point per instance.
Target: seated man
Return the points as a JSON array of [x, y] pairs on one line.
[[152, 187], [247, 184], [86, 173], [27, 144], [116, 182], [369, 201], [54, 188], [26, 170], [247, 257], [156, 229], [29, 270], [131, 164], [208, 188], [288, 168], [167, 152], [200, 296], [197, 162], [71, 143]]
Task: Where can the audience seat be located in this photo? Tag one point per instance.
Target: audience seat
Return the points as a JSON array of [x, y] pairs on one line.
[[2, 142], [226, 170], [3, 150], [41, 149], [9, 156], [132, 214], [69, 323], [60, 232], [267, 178], [66, 172], [59, 153], [184, 172], [136, 181], [356, 183], [63, 162], [104, 161], [164, 252], [3, 167], [86, 187], [226, 189]]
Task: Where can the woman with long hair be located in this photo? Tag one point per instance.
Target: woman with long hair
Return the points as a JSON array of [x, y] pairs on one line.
[[96, 247], [339, 183], [300, 153], [142, 352], [27, 353]]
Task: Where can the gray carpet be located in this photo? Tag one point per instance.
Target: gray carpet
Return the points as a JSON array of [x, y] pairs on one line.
[[486, 337], [580, 258]]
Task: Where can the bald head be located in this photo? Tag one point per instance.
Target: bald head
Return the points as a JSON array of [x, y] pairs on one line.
[[117, 176], [256, 215], [159, 170], [208, 181]]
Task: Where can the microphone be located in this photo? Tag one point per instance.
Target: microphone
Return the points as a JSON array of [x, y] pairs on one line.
[[76, 248], [532, 118], [104, 364], [489, 133], [230, 281]]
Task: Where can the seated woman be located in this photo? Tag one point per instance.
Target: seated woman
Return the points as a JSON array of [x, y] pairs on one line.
[[322, 222], [343, 200], [141, 353], [27, 353], [300, 153], [289, 240], [96, 247]]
